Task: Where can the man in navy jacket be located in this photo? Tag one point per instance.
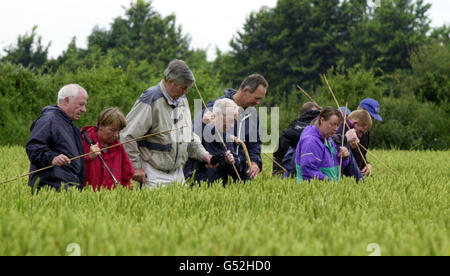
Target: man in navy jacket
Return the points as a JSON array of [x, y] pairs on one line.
[[251, 92], [54, 139], [219, 121]]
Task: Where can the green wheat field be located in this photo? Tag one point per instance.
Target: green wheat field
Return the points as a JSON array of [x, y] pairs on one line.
[[404, 214]]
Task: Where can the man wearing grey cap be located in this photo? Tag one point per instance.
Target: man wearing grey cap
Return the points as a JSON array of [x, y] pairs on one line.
[[158, 160]]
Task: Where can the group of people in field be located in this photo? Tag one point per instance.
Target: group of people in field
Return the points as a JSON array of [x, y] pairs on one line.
[[321, 144], [157, 143]]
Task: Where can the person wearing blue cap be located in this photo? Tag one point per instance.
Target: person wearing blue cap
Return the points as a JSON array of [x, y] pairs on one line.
[[373, 107]]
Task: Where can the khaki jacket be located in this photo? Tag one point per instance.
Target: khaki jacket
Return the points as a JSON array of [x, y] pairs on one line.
[[154, 112]]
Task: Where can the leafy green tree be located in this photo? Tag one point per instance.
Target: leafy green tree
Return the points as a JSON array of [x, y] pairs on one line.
[[291, 43], [73, 58], [298, 40], [411, 124], [23, 93], [387, 35], [28, 51], [431, 73], [142, 34], [442, 35], [350, 86]]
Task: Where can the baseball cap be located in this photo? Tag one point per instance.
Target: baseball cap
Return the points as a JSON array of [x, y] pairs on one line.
[[372, 106], [342, 109]]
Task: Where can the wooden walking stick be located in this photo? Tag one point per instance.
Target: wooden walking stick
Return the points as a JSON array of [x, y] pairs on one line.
[[244, 147], [103, 149], [220, 135]]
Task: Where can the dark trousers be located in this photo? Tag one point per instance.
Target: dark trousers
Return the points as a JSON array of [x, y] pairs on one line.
[[352, 169]]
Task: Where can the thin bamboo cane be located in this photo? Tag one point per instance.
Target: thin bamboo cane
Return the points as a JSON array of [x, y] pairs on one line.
[[276, 163], [343, 136], [373, 155], [307, 95], [337, 104]]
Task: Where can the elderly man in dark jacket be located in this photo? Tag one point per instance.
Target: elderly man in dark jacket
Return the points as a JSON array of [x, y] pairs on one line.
[[251, 92], [54, 139], [219, 122]]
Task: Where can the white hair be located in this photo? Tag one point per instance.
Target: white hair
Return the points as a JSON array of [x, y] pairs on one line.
[[71, 91], [225, 107]]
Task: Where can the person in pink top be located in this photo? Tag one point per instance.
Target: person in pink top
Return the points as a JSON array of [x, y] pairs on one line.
[[107, 168]]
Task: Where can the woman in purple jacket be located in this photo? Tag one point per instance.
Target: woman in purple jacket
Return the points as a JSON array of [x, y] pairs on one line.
[[317, 156]]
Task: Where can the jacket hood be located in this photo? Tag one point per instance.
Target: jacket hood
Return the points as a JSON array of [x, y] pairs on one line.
[[309, 115], [313, 131], [89, 129], [229, 93], [92, 132], [56, 110], [52, 108]]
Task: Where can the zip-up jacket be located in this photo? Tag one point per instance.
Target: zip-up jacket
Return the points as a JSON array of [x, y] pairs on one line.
[[115, 158], [317, 158], [247, 129], [52, 134], [210, 175], [153, 112]]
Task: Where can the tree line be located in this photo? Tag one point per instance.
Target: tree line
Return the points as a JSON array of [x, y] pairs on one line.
[[388, 52]]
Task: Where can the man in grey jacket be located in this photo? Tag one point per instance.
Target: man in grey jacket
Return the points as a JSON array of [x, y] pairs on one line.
[[158, 160]]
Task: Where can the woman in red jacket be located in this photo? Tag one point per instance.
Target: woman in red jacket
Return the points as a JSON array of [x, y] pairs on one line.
[[105, 134]]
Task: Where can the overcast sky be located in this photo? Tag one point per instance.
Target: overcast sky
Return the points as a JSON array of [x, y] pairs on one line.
[[210, 23]]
